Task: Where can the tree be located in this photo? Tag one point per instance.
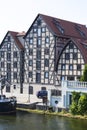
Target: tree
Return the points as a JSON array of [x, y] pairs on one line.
[[84, 76], [82, 104], [74, 105]]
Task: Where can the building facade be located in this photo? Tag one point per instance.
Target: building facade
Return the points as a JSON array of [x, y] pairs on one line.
[[52, 50], [12, 62]]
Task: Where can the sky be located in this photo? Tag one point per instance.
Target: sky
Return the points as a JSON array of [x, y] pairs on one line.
[[18, 15]]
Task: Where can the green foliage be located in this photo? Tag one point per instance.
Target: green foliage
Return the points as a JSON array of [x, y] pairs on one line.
[[82, 104], [75, 96], [74, 108], [84, 76], [79, 103]]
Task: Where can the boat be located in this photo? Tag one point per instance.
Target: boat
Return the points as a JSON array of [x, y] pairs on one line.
[[7, 104]]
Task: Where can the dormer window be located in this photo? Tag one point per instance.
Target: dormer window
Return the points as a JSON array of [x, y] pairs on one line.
[[79, 29], [58, 25]]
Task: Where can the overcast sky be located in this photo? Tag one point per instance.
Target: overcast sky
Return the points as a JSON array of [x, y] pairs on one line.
[[18, 15]]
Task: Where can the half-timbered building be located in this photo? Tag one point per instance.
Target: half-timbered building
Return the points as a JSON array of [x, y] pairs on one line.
[[55, 50], [12, 62], [52, 50]]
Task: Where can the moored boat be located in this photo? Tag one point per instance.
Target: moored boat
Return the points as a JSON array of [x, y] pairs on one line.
[[7, 105]]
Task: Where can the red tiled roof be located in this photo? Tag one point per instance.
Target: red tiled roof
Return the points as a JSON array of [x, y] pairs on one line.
[[14, 35], [82, 45], [69, 27]]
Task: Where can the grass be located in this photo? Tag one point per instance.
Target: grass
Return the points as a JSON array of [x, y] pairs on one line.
[[62, 114]]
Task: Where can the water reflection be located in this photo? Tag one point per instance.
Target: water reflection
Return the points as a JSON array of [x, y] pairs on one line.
[[28, 121]]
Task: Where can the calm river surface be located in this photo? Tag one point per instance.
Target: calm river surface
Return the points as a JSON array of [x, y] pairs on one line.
[[28, 121]]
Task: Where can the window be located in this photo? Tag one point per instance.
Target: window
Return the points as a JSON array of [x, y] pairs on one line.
[[62, 77], [63, 67], [70, 78], [75, 56], [15, 54], [38, 54], [35, 29], [9, 56], [15, 64], [30, 90], [8, 66], [31, 40], [9, 76], [58, 25], [2, 54], [7, 88], [39, 43], [39, 32], [9, 38], [31, 52], [15, 75], [30, 62], [43, 29], [14, 86], [9, 46], [38, 65], [46, 51], [43, 88], [67, 56], [55, 92], [39, 22], [2, 64], [46, 62], [46, 75], [71, 46], [70, 67], [38, 77], [79, 67], [47, 39], [80, 30], [30, 74]]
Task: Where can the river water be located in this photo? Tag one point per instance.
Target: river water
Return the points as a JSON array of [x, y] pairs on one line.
[[29, 121]]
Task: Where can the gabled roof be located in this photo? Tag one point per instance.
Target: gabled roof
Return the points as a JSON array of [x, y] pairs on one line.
[[69, 29], [14, 35], [81, 45]]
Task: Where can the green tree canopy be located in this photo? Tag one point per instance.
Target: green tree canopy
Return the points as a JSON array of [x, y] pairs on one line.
[[84, 76]]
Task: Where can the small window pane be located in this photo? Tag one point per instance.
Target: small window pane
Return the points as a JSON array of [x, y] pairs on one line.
[[47, 39], [31, 40], [67, 56], [15, 54], [30, 74], [46, 74], [46, 62], [38, 77], [70, 67], [31, 52], [30, 62], [46, 51], [30, 90], [43, 29]]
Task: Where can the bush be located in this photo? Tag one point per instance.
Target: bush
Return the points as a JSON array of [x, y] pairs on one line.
[[82, 104], [74, 108]]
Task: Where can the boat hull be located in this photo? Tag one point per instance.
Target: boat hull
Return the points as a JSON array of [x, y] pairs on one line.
[[8, 107]]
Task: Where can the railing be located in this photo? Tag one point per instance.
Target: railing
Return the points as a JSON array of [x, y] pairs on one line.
[[76, 84]]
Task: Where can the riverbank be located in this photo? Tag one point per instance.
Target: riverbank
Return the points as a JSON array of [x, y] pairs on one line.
[[62, 114]]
